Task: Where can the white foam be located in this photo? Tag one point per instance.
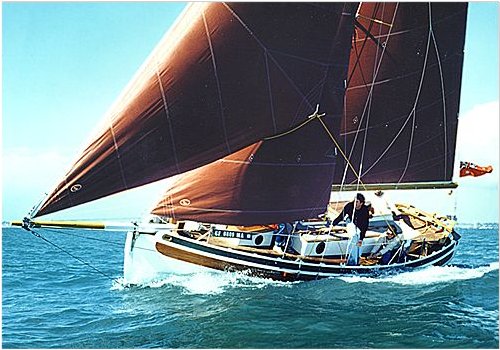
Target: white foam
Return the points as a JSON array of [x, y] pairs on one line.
[[205, 282], [428, 275], [219, 282]]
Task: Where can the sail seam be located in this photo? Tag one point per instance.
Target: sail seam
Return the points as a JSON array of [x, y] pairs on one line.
[[295, 87], [274, 164], [216, 76], [167, 114], [380, 82], [370, 94], [269, 86], [414, 112], [403, 117], [248, 211], [445, 128], [118, 157]]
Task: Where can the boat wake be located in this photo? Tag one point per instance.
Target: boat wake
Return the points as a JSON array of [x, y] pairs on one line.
[[218, 282], [204, 282], [428, 275]]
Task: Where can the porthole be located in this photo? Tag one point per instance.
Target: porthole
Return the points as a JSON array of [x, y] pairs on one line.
[[258, 240], [320, 248]]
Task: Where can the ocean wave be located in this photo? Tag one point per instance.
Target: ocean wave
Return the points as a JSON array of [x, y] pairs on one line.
[[428, 275]]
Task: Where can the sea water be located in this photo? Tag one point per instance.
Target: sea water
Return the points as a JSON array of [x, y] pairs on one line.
[[63, 290]]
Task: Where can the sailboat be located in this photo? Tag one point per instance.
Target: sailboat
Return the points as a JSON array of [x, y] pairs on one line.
[[262, 111]]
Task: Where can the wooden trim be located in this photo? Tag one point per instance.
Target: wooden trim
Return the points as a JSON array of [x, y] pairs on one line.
[[198, 259]]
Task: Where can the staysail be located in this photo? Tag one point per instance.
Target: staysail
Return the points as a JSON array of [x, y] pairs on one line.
[[400, 122], [403, 93], [227, 75], [277, 180]]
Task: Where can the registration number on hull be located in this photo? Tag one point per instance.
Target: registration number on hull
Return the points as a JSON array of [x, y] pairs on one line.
[[232, 234]]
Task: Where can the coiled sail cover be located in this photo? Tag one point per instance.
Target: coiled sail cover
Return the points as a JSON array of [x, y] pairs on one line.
[[403, 93], [400, 122], [226, 76]]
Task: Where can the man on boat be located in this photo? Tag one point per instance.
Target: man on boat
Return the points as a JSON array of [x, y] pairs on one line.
[[358, 213], [390, 249], [281, 236]]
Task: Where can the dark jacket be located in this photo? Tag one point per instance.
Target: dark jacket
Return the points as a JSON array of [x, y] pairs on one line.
[[361, 217]]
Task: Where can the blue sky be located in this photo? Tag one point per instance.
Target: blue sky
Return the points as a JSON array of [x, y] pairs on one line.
[[64, 64]]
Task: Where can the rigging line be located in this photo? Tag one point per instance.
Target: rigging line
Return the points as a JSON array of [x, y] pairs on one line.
[[290, 80], [264, 47], [118, 157], [82, 237], [405, 123], [370, 94], [360, 182], [269, 86], [216, 76], [304, 59], [358, 53], [36, 234], [348, 81], [35, 208], [309, 119], [413, 111], [375, 20], [438, 58], [354, 43], [336, 39], [167, 114], [261, 44], [375, 40], [358, 57], [367, 122], [375, 74], [318, 117], [389, 146], [92, 239]]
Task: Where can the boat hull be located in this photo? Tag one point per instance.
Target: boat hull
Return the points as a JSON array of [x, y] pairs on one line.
[[164, 253]]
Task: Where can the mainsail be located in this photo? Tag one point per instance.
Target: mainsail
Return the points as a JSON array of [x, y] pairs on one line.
[[226, 76], [403, 93], [400, 122]]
